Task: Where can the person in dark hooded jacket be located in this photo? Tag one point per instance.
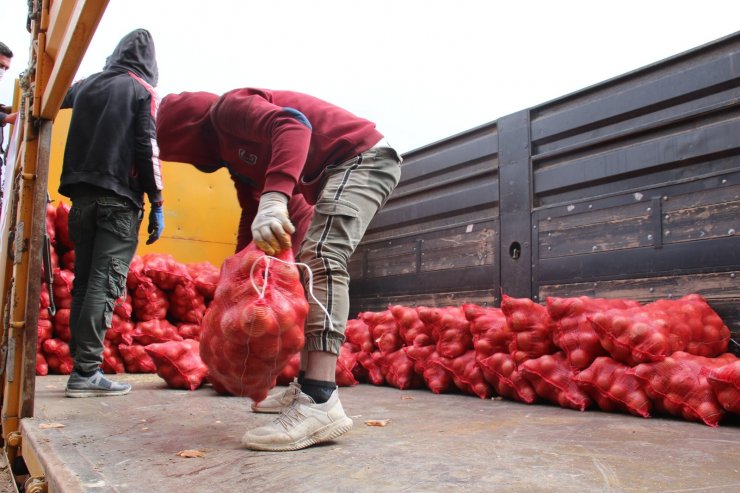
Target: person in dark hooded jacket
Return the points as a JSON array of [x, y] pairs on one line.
[[111, 161]]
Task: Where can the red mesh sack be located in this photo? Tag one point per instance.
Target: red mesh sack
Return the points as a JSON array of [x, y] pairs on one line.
[[149, 302], [725, 383], [678, 386], [436, 375], [120, 331], [51, 217], [357, 332], [419, 355], [205, 276], [384, 330], [290, 371], [62, 287], [491, 334], [254, 325], [164, 270], [613, 388], [450, 330], [532, 327], [372, 365], [410, 327], [112, 360], [136, 273], [42, 367], [57, 356], [61, 221], [45, 331], [136, 359], [154, 331], [708, 335], [186, 303], [123, 307], [189, 331], [501, 372], [178, 363], [346, 363], [61, 324], [399, 371], [574, 332], [467, 375], [553, 379]]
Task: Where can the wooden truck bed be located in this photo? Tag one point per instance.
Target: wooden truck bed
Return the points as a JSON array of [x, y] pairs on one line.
[[431, 443]]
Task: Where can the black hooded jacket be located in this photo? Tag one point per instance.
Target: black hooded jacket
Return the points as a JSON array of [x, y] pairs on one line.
[[112, 141]]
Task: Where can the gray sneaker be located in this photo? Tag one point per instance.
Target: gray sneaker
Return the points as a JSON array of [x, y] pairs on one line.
[[277, 401], [300, 425], [94, 386]]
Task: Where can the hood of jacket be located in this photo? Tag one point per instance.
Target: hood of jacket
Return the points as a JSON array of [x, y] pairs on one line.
[[135, 52], [184, 130]]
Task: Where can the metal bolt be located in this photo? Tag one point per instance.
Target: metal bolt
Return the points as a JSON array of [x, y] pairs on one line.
[[731, 232], [667, 232], [650, 237], [594, 248], [649, 209], [652, 290], [665, 197], [724, 180], [667, 217], [549, 218], [732, 276], [549, 248], [590, 206]]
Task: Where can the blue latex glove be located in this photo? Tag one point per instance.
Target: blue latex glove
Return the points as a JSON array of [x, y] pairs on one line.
[[156, 224]]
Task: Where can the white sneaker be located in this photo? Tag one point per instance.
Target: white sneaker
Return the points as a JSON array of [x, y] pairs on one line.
[[279, 400], [300, 425]]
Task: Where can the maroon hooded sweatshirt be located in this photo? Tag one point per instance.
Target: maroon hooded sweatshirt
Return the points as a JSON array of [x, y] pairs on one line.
[[271, 141]]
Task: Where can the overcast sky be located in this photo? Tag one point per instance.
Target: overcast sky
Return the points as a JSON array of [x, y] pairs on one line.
[[422, 70]]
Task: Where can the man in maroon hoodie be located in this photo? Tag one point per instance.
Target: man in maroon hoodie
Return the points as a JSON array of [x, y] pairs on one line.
[[282, 148]]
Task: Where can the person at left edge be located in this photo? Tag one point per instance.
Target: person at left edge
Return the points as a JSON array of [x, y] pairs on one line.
[[111, 160]]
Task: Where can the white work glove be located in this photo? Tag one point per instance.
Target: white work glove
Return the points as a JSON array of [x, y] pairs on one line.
[[271, 228]]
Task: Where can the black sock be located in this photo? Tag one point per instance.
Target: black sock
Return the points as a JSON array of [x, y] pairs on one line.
[[301, 377], [319, 391]]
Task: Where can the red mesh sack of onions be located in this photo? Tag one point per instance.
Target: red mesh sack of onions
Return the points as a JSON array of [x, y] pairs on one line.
[[42, 367], [186, 303], [412, 330], [51, 217], [154, 331], [467, 374], [678, 386], [399, 371], [112, 360], [725, 382], [358, 334], [290, 371], [574, 332], [372, 365], [383, 330], [57, 356], [45, 331], [346, 363], [61, 222], [136, 273], [61, 324], [613, 388], [189, 331], [120, 331], [501, 372], [178, 363], [62, 287], [553, 379], [490, 331], [532, 327], [450, 330], [708, 335], [123, 307], [205, 276], [136, 359], [149, 302], [67, 260], [164, 270], [436, 375], [419, 355], [254, 325]]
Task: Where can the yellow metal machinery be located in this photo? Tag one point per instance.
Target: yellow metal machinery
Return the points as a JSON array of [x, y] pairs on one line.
[[60, 32]]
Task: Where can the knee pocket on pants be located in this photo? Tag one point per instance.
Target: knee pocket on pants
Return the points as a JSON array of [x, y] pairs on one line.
[[341, 231], [117, 273]]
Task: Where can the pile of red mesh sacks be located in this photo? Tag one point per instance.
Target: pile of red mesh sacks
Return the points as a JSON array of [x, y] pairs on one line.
[[667, 357], [155, 327]]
